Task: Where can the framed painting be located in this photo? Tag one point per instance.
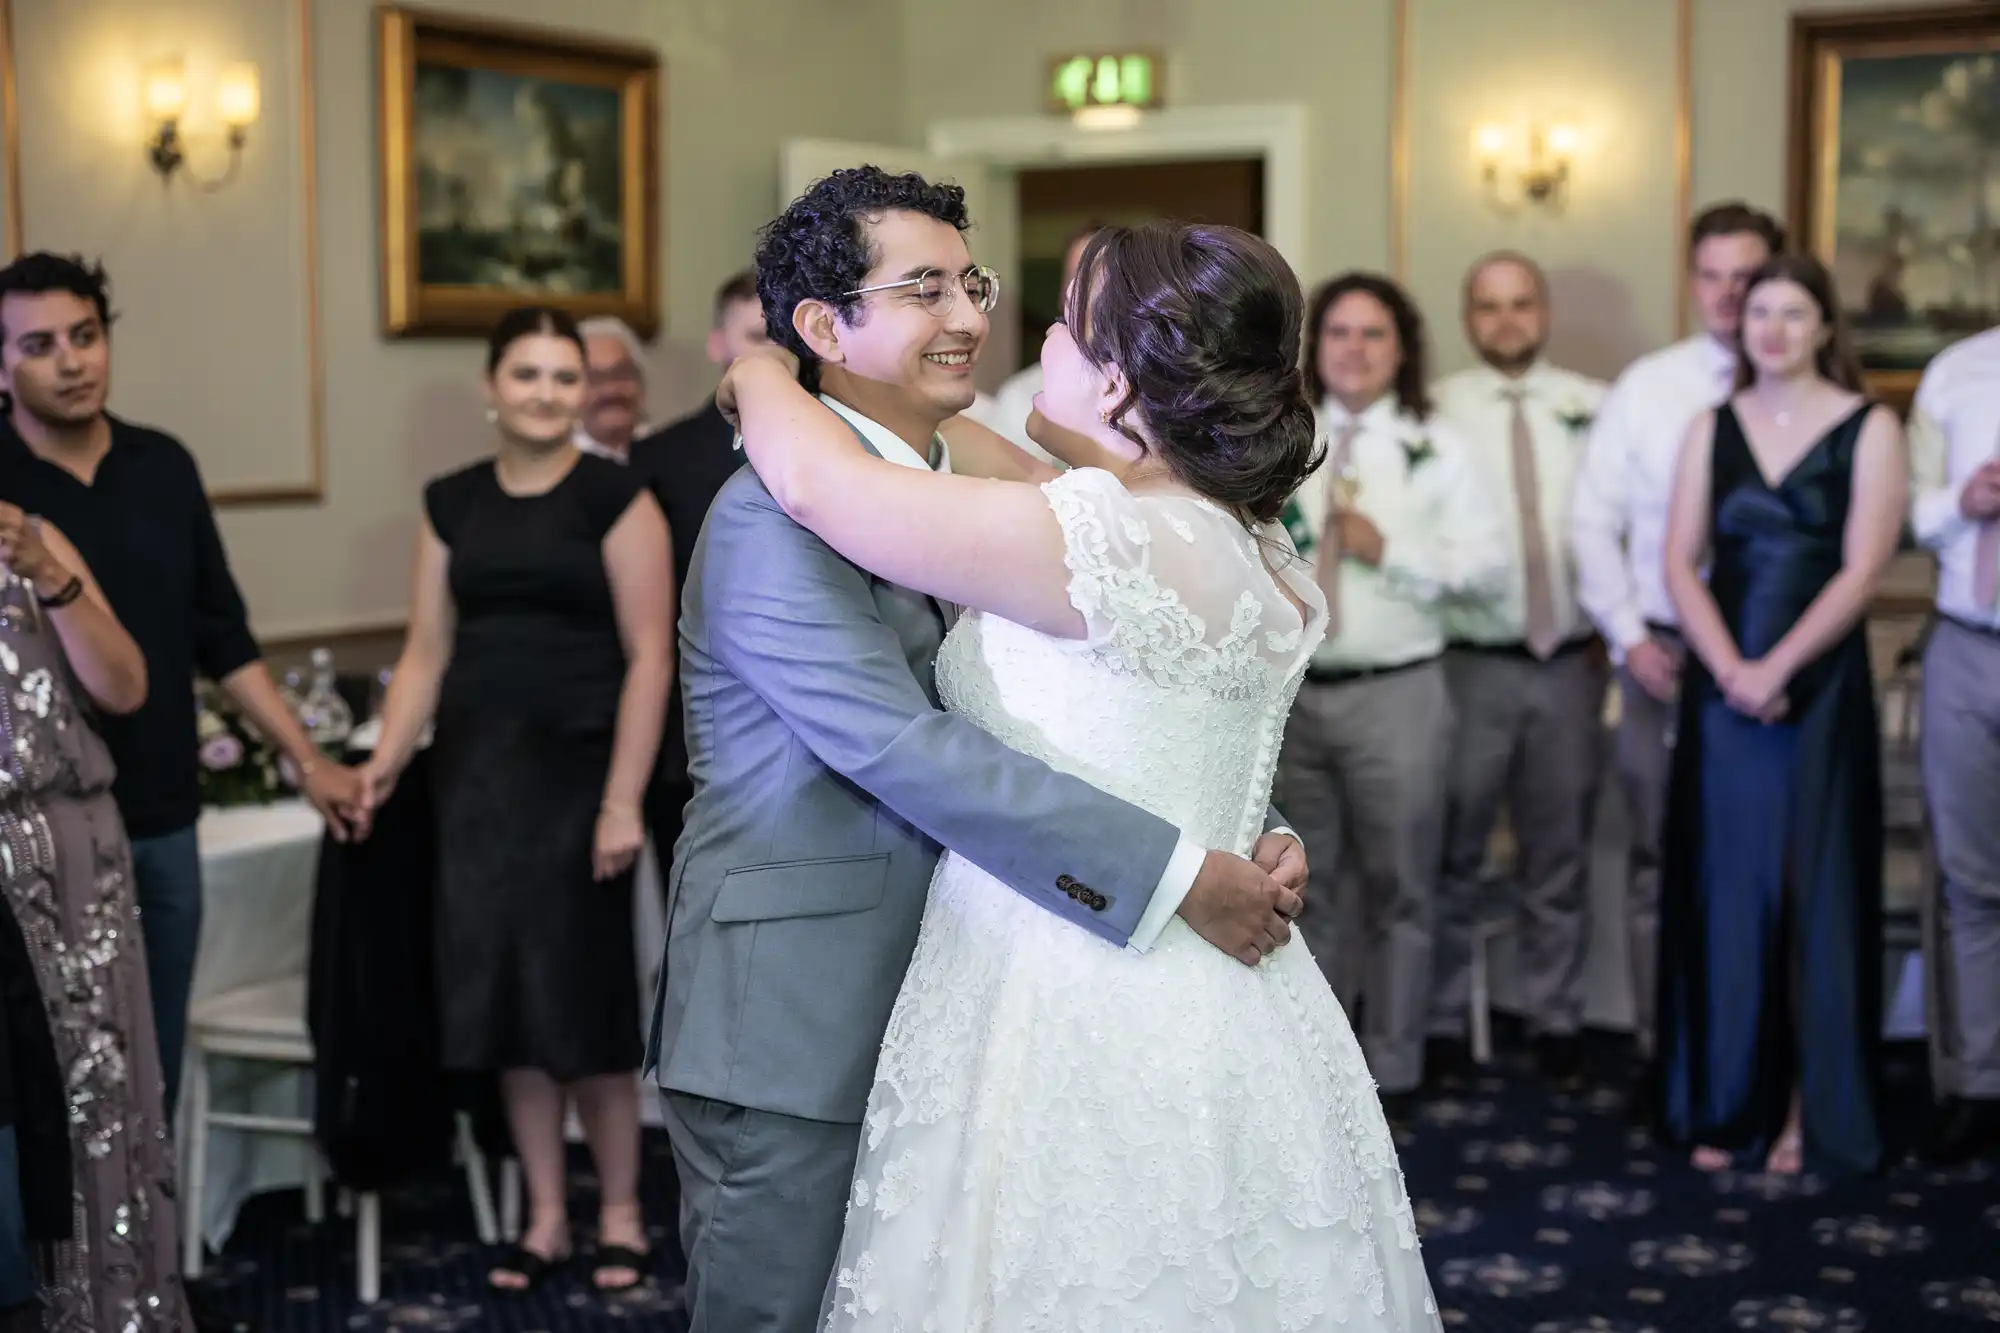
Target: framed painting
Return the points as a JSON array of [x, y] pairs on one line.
[[517, 166], [1895, 176]]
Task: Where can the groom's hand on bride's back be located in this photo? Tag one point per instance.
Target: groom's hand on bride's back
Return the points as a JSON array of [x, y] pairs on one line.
[[1239, 908]]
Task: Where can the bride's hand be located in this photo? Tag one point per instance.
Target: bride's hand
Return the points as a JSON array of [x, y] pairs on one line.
[[744, 371]]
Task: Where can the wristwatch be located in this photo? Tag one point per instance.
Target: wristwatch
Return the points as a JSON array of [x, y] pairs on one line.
[[62, 596]]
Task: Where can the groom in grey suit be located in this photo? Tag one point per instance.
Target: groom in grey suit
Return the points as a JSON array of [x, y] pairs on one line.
[[826, 780]]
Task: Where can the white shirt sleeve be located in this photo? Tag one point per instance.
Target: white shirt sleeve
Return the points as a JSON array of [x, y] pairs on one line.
[[1599, 525], [1935, 517], [1182, 869]]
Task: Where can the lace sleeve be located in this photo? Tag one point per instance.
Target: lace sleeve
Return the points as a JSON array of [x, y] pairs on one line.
[[1168, 587]]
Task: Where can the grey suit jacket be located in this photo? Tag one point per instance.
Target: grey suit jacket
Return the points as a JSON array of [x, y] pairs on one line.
[[825, 779]]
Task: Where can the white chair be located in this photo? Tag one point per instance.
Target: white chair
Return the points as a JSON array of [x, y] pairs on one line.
[[267, 1022]]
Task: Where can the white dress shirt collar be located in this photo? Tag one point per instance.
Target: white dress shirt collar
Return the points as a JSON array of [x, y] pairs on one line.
[[1534, 378], [890, 446], [585, 442], [1385, 412]]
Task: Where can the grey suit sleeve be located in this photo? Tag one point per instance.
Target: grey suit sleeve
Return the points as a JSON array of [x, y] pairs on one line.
[[798, 625]]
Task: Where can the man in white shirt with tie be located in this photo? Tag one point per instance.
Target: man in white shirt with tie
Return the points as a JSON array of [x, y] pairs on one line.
[[1618, 528], [1396, 524], [1527, 684], [1955, 511]]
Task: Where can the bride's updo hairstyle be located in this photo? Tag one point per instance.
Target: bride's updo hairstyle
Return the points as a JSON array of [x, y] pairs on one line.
[[1204, 322]]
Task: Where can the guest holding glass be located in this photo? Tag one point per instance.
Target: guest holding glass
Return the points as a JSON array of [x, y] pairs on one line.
[[541, 640], [1791, 493], [68, 884]]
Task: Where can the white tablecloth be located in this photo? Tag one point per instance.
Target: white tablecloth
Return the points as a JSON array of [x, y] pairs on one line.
[[258, 869], [258, 865]]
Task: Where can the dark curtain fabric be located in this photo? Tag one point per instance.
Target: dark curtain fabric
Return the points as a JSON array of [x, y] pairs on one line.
[[385, 1107]]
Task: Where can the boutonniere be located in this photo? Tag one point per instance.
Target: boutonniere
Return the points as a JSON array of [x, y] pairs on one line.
[[1575, 416], [1417, 452], [1297, 528]]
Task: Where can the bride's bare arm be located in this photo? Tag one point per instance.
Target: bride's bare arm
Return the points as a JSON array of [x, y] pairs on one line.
[[980, 451], [976, 541]]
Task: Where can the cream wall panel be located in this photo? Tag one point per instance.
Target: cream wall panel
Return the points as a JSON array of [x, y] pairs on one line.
[[212, 344], [1608, 67], [212, 290]]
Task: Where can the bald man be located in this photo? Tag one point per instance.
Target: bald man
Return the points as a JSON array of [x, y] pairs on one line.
[[1526, 682]]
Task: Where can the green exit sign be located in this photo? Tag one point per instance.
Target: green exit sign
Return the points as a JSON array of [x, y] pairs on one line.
[[1126, 78]]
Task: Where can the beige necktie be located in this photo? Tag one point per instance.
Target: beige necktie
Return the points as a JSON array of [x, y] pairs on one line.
[[1543, 637], [1986, 560], [1339, 461]]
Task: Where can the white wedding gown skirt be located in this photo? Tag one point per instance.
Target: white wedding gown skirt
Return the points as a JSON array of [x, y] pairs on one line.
[[1066, 1136]]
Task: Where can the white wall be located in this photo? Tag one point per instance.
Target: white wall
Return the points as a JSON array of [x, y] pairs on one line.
[[213, 287]]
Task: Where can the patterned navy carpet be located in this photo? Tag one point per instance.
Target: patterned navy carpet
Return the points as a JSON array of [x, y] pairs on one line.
[[1542, 1214]]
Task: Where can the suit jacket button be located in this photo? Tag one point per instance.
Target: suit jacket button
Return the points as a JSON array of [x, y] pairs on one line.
[[1065, 882], [1098, 902]]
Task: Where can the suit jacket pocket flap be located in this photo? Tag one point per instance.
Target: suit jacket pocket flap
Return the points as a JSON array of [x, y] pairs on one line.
[[802, 888]]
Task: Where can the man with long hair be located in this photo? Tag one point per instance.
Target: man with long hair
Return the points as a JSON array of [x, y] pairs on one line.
[[1396, 525]]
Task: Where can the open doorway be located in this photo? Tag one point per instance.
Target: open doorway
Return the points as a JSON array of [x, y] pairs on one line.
[[1054, 202]]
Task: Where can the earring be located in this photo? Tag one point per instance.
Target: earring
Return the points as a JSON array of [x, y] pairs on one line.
[[1104, 416], [492, 416]]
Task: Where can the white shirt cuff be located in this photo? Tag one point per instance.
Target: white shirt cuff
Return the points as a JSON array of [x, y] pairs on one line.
[[1182, 868], [1627, 630], [1936, 519]]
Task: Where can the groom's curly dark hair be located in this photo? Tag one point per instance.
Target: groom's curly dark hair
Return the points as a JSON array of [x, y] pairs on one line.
[[817, 249]]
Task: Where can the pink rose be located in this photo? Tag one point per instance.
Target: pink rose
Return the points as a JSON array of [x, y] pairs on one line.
[[220, 753]]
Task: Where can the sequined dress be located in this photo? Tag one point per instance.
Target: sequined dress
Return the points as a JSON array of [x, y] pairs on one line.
[[66, 870]]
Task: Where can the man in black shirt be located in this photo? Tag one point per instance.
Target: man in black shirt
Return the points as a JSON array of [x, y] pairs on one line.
[[132, 501], [686, 464]]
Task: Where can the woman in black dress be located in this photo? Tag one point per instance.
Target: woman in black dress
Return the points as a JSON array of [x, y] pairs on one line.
[[1770, 943], [541, 640]]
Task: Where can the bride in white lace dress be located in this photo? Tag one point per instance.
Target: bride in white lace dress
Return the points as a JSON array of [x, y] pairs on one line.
[[1066, 1135]]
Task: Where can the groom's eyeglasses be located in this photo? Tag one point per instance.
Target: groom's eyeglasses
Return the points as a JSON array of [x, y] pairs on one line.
[[935, 289]]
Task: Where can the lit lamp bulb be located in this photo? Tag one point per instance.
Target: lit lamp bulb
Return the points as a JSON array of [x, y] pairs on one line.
[[163, 90], [236, 98], [1488, 142], [1563, 141]]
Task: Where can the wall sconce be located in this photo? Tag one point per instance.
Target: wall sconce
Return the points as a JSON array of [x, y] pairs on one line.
[[1543, 178], [164, 93]]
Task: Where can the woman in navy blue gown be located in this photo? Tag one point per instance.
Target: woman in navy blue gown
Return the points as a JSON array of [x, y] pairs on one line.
[[1792, 495]]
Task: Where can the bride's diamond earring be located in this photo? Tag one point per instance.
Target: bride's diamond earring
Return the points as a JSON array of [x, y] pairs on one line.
[[492, 416]]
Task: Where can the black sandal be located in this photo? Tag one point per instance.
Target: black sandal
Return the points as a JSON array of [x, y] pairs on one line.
[[619, 1256], [533, 1269]]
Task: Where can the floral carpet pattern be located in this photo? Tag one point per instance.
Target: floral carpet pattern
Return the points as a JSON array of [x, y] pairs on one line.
[[1542, 1213]]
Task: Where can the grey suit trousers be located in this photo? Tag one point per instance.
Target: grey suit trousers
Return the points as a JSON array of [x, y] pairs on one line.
[[1530, 733], [1645, 756], [1362, 779], [1961, 766], [763, 1201]]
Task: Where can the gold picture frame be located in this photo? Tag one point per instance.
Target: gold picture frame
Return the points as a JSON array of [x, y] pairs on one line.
[[518, 165], [1885, 180], [10, 143]]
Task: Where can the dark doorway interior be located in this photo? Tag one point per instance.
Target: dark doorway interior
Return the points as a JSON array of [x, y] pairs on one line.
[[1055, 201]]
